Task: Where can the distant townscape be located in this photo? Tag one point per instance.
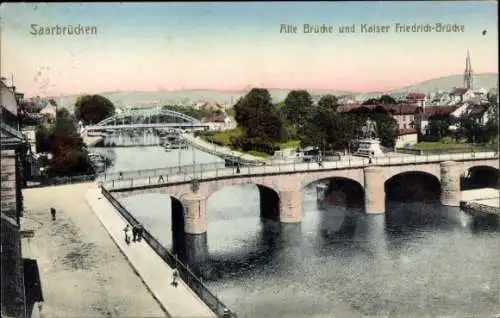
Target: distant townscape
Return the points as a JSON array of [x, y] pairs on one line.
[[432, 88]]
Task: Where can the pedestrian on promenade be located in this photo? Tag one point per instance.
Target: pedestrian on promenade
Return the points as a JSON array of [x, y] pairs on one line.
[[238, 167], [121, 175], [53, 213], [160, 179], [134, 233], [175, 275], [140, 231], [127, 237]]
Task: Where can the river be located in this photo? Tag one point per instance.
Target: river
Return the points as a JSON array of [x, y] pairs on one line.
[[427, 261]]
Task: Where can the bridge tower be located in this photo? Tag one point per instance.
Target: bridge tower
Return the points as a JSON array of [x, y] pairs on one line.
[[468, 73]]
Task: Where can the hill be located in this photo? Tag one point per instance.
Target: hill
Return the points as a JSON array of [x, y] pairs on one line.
[[124, 99]]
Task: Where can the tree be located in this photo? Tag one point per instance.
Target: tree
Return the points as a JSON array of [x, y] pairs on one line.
[[328, 101], [43, 136], [91, 109], [297, 106], [439, 126], [63, 141], [260, 121], [387, 100], [329, 130], [384, 99], [370, 101], [386, 129]]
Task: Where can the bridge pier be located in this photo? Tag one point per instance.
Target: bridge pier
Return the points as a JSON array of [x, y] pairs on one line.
[[290, 205], [450, 183], [195, 229], [194, 214], [374, 190]]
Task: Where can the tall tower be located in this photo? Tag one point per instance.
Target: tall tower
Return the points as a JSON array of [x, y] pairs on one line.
[[468, 74]]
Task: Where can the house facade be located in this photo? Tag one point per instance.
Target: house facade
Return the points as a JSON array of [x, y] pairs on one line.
[[13, 143], [219, 122], [418, 99], [406, 138]]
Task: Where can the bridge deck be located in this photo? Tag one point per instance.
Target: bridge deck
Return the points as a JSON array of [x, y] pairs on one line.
[[144, 180]]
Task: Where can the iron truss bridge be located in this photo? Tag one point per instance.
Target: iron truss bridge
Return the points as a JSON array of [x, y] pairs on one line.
[[144, 118]]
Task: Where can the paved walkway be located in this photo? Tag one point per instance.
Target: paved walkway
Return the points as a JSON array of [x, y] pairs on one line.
[[486, 196], [179, 301], [82, 272]]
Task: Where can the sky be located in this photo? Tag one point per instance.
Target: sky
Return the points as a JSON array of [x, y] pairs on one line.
[[233, 46]]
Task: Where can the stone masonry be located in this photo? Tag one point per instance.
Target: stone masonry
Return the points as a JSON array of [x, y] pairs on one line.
[[281, 193]]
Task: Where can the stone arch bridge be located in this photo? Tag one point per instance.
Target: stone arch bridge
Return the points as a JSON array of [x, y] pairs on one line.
[[280, 186]]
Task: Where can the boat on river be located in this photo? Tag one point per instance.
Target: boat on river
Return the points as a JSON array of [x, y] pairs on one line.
[[169, 146]]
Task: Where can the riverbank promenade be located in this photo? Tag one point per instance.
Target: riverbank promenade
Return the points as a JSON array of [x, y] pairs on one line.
[[82, 272], [486, 196], [178, 301]]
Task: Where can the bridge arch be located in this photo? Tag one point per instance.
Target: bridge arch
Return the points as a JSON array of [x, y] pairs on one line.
[[141, 116], [341, 191], [480, 176], [413, 186], [269, 198]]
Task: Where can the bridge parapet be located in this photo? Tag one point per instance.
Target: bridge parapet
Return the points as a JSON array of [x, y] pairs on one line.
[[171, 175]]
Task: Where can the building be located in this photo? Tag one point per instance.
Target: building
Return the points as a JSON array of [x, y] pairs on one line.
[[49, 112], [460, 95], [404, 114], [422, 118], [468, 73], [418, 99], [220, 122], [406, 138], [13, 143]]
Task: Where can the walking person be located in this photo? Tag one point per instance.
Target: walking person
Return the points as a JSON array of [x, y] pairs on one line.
[[175, 275], [140, 231], [53, 213], [127, 237], [134, 233], [121, 175]]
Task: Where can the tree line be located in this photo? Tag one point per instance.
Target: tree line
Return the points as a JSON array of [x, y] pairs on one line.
[[62, 138], [264, 124]]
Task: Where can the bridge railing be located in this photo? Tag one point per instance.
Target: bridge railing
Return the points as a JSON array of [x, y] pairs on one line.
[[195, 283], [289, 168], [165, 171]]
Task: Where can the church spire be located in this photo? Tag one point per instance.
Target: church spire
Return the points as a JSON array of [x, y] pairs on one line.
[[468, 74]]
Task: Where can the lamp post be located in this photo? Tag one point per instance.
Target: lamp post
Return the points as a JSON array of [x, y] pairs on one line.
[[194, 157], [179, 159]]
